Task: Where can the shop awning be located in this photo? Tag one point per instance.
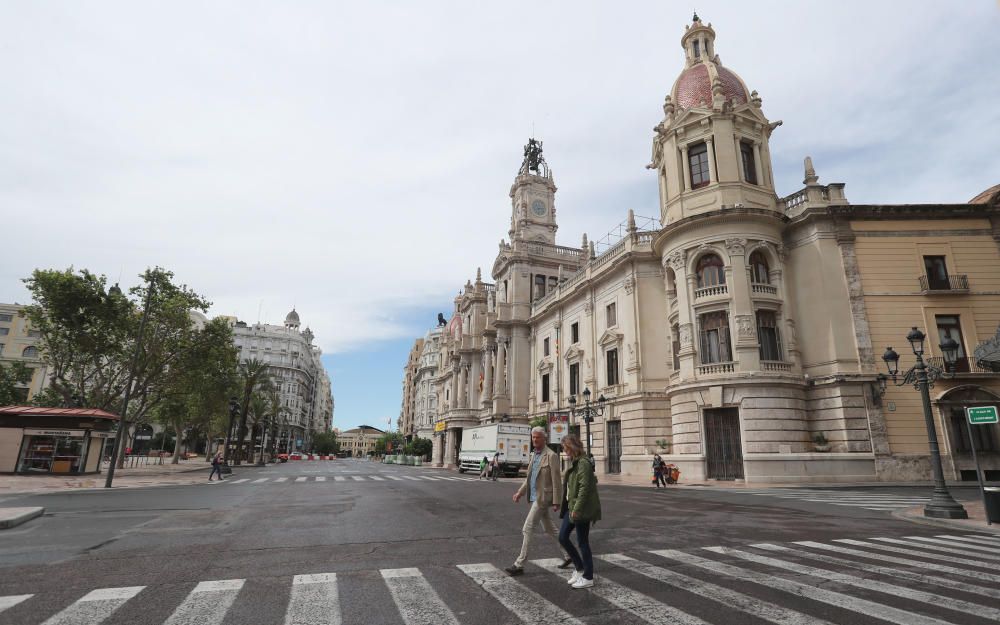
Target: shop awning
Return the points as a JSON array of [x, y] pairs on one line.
[[36, 411]]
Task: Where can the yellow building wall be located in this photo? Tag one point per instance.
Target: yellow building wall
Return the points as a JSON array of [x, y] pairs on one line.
[[890, 267]]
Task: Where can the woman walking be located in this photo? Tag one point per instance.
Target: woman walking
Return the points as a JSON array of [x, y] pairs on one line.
[[216, 467], [581, 507]]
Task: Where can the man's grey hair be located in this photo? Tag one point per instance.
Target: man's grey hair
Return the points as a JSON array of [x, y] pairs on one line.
[[540, 430]]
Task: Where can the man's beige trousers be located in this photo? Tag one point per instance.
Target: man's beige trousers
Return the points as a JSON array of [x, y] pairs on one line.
[[537, 514]]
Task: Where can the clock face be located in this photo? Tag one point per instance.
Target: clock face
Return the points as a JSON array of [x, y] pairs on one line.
[[538, 207]]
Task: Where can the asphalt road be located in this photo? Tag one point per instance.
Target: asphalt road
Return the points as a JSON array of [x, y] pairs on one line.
[[357, 542]]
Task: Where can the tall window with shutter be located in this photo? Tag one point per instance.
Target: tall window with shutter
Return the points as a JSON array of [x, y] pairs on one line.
[[768, 335], [714, 331]]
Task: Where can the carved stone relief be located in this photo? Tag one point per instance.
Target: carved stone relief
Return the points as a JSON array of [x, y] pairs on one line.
[[588, 307], [744, 326], [629, 285], [685, 335], [736, 247], [676, 260]]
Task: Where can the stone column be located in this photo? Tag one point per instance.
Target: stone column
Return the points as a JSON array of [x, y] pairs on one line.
[[487, 394], [687, 168], [477, 365], [757, 165], [449, 449], [501, 372], [684, 283], [710, 144], [743, 335]]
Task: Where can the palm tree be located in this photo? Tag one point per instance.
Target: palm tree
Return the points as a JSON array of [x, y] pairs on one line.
[[251, 374]]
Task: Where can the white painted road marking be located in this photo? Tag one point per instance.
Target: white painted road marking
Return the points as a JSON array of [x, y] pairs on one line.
[[95, 606], [861, 606], [339, 478], [850, 580], [207, 604], [643, 606], [918, 541], [377, 478], [358, 478], [416, 600], [240, 481], [259, 480], [730, 598], [301, 479], [912, 552], [281, 479], [12, 600], [528, 605], [320, 478], [314, 600], [943, 568]]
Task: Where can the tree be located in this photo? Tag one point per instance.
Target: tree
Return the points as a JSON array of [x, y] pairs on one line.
[[539, 422], [419, 447], [12, 375], [382, 444], [325, 443], [250, 375]]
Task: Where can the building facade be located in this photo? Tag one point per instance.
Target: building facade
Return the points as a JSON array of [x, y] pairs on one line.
[[360, 441], [295, 367], [407, 411], [740, 336], [19, 343]]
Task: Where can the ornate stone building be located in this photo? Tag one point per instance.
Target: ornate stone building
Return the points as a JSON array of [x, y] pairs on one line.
[[744, 326], [295, 366], [19, 343], [407, 411]]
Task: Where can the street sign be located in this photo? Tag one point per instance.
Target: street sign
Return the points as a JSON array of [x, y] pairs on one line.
[[558, 427], [979, 415]]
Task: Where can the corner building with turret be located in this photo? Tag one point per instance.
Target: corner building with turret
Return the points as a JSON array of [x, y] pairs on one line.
[[740, 335]]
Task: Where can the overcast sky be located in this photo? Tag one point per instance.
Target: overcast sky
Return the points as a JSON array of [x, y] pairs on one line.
[[353, 159]]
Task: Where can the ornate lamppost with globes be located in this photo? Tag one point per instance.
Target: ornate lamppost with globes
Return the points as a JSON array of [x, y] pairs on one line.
[[587, 411], [922, 376]]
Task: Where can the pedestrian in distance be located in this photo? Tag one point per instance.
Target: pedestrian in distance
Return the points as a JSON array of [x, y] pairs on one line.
[[659, 466], [543, 488], [482, 467], [581, 508], [496, 466], [216, 467]]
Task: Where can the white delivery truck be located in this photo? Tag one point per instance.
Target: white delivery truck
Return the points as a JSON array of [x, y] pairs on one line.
[[512, 440]]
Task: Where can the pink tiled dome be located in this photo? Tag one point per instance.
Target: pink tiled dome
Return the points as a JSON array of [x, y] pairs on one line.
[[695, 86]]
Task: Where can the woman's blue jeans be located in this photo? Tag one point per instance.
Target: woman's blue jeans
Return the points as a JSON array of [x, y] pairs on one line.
[[583, 560]]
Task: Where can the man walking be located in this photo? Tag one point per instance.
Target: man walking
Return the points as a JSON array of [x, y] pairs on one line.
[[543, 486]]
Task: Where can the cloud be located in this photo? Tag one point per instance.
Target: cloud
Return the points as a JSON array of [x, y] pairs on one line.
[[354, 159]]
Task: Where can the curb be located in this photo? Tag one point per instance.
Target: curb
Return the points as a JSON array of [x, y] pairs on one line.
[[12, 517], [911, 515]]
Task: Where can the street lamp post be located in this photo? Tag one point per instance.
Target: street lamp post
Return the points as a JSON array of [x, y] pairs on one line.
[[588, 412], [234, 410], [922, 375]]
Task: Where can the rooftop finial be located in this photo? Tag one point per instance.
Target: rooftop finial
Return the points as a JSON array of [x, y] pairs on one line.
[[695, 18], [534, 162]]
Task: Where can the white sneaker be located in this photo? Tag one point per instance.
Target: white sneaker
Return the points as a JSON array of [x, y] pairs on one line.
[[583, 582], [574, 577]]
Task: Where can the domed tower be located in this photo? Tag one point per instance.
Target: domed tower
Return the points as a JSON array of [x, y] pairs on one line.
[[292, 320], [711, 149]]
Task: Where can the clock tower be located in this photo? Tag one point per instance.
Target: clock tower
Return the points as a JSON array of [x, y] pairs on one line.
[[533, 213]]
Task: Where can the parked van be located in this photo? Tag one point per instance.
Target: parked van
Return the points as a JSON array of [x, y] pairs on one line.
[[512, 440]]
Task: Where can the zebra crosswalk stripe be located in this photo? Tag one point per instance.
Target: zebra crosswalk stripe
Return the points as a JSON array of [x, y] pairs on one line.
[[320, 478], [911, 552], [643, 606], [931, 580], [528, 605], [259, 480], [993, 539], [918, 541], [314, 601], [207, 604], [840, 600], [377, 478], [301, 479], [12, 600], [736, 600], [393, 477], [281, 479], [94, 607], [416, 600], [339, 478], [357, 478], [851, 580], [978, 540], [965, 543], [240, 481], [943, 568], [410, 477]]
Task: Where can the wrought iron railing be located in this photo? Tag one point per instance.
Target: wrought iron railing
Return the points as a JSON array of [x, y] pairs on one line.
[[955, 282]]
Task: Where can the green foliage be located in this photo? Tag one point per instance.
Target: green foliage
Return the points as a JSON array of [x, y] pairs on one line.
[[419, 447], [325, 443], [11, 375], [382, 444], [539, 422]]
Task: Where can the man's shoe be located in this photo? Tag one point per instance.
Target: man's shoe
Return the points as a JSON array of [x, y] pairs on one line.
[[583, 583], [568, 562], [575, 577], [514, 571]]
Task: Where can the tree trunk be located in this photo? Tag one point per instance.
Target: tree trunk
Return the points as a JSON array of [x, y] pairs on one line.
[[129, 441], [241, 436], [178, 432]]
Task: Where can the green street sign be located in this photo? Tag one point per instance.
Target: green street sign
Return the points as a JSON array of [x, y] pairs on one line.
[[982, 414]]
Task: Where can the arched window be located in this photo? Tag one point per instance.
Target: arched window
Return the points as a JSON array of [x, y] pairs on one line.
[[710, 271], [30, 352], [984, 437], [759, 271]]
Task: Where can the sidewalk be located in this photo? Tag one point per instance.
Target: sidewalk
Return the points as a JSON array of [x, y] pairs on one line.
[[192, 471], [975, 523]]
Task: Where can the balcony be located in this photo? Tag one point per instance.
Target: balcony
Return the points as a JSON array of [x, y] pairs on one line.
[[711, 291], [775, 365], [956, 283], [963, 366], [717, 368], [764, 289]]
